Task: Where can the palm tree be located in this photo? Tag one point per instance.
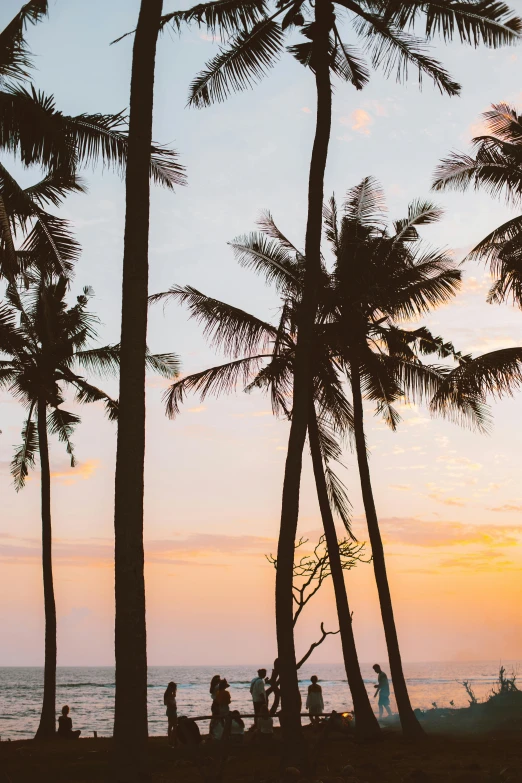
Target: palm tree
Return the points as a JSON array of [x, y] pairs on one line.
[[46, 344], [497, 168], [263, 357], [377, 280], [380, 25], [390, 279], [130, 719]]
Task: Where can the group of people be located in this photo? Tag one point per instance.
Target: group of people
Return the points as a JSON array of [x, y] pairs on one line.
[[263, 721], [187, 731]]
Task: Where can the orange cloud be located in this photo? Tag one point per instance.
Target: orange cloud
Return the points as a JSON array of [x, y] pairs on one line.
[[68, 476], [359, 120], [415, 532], [507, 507], [170, 551]]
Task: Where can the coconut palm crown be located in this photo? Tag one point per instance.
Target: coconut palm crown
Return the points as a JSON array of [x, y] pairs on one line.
[[496, 167]]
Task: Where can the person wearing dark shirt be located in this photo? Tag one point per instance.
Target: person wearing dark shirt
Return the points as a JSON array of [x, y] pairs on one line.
[[65, 729]]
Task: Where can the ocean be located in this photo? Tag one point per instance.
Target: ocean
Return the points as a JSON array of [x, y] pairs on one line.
[[90, 691]]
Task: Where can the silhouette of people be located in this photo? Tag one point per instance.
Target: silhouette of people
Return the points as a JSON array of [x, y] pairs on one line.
[[382, 690], [257, 689], [169, 700], [188, 731], [65, 729], [223, 698], [314, 700]]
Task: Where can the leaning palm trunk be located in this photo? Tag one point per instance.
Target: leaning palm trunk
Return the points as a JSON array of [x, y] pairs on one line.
[[46, 729], [366, 724], [130, 719], [302, 393], [410, 725]]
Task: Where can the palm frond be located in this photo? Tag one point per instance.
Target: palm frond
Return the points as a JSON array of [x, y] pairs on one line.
[[490, 22], [32, 127], [246, 60], [227, 16], [348, 65], [267, 225], [102, 361], [15, 60], [396, 51], [217, 380], [168, 365], [234, 330], [269, 257], [491, 170], [63, 423], [24, 456], [504, 121], [420, 213], [364, 203], [339, 500], [52, 245], [330, 223]]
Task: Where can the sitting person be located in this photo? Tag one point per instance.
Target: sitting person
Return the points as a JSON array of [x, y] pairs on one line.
[[65, 729], [237, 727], [188, 731], [265, 724]]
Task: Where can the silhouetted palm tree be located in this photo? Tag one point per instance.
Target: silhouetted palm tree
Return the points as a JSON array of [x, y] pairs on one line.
[[390, 278], [268, 364], [46, 345], [497, 168], [130, 719], [381, 26], [378, 279]]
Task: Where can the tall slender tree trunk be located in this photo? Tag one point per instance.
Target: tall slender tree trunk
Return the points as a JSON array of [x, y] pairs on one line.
[[130, 719], [47, 727], [410, 725], [366, 724], [302, 391]]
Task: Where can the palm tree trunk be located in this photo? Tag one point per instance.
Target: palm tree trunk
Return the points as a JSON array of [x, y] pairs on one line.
[[130, 719], [410, 725], [291, 723], [47, 727], [366, 724]]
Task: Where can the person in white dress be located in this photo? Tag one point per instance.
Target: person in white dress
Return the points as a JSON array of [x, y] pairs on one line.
[[314, 700]]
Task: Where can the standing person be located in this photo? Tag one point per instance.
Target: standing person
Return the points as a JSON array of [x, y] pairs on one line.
[[314, 700], [65, 729], [214, 685], [382, 689], [223, 698], [169, 700], [257, 689]]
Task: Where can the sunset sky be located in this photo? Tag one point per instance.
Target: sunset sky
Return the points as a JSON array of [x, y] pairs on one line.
[[450, 500]]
